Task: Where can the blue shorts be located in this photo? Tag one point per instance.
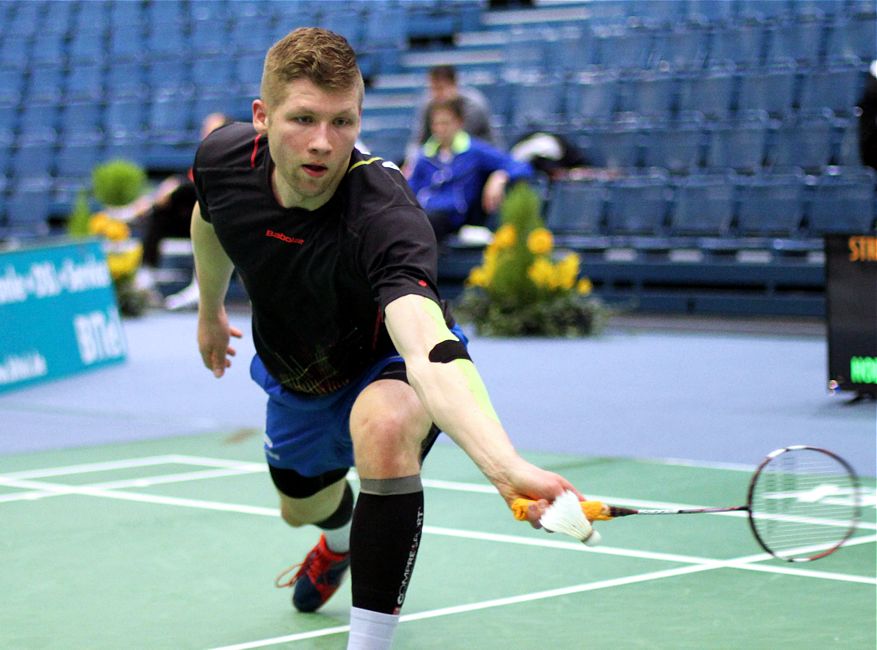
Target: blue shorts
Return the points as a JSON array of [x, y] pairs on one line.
[[311, 434]]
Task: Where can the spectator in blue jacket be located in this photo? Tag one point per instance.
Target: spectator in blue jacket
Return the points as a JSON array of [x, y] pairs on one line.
[[459, 179]]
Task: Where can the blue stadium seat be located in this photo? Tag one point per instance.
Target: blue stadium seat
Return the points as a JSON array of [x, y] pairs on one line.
[[248, 71], [637, 205], [676, 145], [11, 86], [87, 47], [648, 94], [81, 118], [770, 89], [32, 158], [91, 15], [127, 44], [85, 81], [592, 96], [803, 140], [796, 40], [575, 207], [125, 116], [45, 84], [681, 47], [164, 39], [128, 13], [842, 202], [848, 144], [248, 35], [221, 102], [165, 75], [14, 52], [58, 16], [41, 122], [570, 50], [527, 51], [537, 101], [388, 142], [770, 204], [78, 156], [165, 13], [213, 73], [622, 48], [9, 114], [762, 10], [703, 205], [710, 92], [169, 117], [739, 143], [851, 38], [386, 27], [739, 44], [835, 87], [29, 203], [125, 80], [48, 48], [209, 37], [613, 145], [347, 22], [710, 12]]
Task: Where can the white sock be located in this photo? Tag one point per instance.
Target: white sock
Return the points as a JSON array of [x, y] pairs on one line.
[[371, 630], [338, 539]]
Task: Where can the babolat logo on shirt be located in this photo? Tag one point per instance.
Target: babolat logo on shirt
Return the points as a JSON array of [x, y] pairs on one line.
[[284, 238]]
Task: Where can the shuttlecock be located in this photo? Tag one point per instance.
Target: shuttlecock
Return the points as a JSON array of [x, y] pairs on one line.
[[565, 515]]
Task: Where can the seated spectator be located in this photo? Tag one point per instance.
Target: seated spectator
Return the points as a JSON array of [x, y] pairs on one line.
[[167, 212], [868, 119], [457, 178], [555, 157], [443, 86]]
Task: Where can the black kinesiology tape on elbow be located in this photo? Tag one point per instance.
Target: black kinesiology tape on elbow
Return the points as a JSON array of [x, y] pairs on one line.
[[447, 351]]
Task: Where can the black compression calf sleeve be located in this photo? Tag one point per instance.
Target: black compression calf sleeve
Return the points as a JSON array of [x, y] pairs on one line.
[[383, 546], [342, 513]]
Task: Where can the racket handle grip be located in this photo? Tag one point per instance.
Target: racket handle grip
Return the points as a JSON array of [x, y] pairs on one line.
[[593, 510]]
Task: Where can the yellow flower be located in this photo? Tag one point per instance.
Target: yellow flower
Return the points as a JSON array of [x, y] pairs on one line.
[[505, 237], [568, 271], [478, 277], [124, 264], [540, 241], [541, 272], [98, 222], [584, 287], [117, 230]]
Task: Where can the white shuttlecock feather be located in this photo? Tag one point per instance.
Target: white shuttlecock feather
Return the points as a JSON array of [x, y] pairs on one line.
[[565, 515]]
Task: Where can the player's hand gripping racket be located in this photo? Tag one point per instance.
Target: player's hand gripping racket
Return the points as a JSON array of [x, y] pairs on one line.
[[803, 504]]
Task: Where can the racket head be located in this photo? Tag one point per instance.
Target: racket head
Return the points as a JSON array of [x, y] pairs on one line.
[[804, 502]]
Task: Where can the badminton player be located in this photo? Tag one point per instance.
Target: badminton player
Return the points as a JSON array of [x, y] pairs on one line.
[[361, 360]]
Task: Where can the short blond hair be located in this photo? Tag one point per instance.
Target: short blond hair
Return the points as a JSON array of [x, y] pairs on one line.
[[323, 57]]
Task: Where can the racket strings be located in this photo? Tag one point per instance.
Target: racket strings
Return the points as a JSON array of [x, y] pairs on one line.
[[803, 501]]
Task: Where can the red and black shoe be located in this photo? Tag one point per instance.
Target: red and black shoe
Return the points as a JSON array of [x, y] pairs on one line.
[[315, 579]]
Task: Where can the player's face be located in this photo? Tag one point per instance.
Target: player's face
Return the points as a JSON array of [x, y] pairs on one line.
[[311, 134], [444, 125]]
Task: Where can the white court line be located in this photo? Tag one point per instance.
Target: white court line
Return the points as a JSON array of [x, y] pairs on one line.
[[129, 463], [434, 530], [693, 564], [487, 604], [707, 565], [244, 466]]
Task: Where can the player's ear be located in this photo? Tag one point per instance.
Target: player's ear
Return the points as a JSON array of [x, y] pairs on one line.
[[260, 116]]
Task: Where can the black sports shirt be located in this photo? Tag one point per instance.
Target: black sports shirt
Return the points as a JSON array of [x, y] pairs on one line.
[[318, 280]]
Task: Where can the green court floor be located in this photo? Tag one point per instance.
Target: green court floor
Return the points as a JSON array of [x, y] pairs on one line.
[[174, 543]]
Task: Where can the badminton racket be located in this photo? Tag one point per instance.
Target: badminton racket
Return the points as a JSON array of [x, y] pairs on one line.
[[803, 503]]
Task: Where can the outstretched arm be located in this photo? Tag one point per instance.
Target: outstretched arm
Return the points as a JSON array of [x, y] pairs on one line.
[[213, 269], [456, 398]]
